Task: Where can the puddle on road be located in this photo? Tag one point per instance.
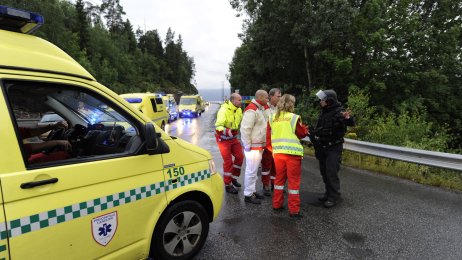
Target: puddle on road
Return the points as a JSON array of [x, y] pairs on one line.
[[356, 241], [354, 238]]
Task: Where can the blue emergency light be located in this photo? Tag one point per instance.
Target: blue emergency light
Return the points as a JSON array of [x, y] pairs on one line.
[[16, 20], [134, 100]]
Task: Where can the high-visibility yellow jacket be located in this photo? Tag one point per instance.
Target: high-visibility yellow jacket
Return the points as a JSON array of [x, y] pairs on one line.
[[283, 137], [229, 118]]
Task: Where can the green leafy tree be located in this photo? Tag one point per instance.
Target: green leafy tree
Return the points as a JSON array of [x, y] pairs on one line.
[[113, 12], [404, 55]]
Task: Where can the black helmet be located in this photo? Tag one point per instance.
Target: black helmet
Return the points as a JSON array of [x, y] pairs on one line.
[[331, 95], [328, 94]]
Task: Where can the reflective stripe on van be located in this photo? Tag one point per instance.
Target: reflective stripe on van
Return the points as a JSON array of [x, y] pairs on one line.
[[56, 216]]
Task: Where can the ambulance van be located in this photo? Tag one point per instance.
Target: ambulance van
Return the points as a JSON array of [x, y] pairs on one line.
[[172, 108], [106, 182], [191, 106], [151, 105]]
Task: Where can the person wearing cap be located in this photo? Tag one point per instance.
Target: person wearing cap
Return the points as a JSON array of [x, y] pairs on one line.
[[286, 131], [327, 138]]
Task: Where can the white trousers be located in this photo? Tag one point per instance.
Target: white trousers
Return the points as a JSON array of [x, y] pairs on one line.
[[252, 162]]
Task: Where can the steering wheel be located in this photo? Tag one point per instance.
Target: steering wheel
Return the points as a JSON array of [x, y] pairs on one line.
[[57, 134], [74, 133]]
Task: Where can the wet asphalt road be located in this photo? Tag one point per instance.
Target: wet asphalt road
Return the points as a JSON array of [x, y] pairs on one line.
[[381, 217]]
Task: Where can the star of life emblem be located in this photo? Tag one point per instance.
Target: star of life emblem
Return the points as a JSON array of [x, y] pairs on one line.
[[104, 227]]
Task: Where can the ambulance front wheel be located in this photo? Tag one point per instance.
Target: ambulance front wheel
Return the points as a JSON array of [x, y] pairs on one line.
[[181, 231]]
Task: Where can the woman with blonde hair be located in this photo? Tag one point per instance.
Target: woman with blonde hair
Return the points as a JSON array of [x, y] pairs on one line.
[[286, 131]]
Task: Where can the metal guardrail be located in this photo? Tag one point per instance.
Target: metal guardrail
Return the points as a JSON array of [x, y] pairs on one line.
[[423, 157]]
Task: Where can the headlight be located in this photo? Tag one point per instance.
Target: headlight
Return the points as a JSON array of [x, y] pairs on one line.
[[212, 167]]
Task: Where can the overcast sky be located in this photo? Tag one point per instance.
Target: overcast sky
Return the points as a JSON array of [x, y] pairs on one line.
[[208, 28]]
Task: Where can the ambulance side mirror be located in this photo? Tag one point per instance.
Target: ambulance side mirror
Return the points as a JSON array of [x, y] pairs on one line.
[[154, 142]]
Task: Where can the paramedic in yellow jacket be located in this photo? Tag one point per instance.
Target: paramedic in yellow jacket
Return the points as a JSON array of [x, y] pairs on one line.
[[286, 131], [229, 118]]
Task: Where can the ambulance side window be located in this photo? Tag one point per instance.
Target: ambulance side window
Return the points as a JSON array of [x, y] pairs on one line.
[[154, 105], [59, 123]]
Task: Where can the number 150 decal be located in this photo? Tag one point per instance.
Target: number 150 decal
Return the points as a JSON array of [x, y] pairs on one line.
[[175, 172]]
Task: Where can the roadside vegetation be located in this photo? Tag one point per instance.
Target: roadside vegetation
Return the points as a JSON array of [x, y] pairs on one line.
[[397, 65], [123, 58], [427, 175], [408, 129]]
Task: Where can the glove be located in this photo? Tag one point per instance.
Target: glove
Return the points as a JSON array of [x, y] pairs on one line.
[[247, 149], [307, 129], [229, 132]]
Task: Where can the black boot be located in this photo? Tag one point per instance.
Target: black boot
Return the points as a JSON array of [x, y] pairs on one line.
[[258, 195], [230, 189], [252, 199], [330, 203], [296, 216], [236, 184], [323, 198]]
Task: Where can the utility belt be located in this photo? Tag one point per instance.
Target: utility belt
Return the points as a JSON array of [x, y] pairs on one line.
[[324, 143]]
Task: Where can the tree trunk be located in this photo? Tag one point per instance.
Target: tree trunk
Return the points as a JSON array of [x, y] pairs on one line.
[[307, 67]]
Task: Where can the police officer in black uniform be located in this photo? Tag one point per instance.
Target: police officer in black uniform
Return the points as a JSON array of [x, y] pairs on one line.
[[327, 138]]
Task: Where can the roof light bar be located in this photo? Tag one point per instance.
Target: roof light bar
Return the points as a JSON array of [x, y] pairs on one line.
[[17, 20]]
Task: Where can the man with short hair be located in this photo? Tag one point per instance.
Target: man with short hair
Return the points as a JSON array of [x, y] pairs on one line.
[[268, 171], [253, 136], [229, 118]]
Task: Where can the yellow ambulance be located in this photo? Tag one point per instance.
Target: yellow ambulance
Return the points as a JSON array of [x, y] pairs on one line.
[[172, 108], [106, 182], [150, 104], [191, 106]]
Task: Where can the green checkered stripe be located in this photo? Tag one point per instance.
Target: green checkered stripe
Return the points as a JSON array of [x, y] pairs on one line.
[[56, 216], [3, 232], [188, 179]]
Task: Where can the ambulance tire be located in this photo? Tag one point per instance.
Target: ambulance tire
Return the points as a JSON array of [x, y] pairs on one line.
[[172, 218]]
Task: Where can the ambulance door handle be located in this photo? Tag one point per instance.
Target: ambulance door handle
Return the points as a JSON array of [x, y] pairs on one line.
[[32, 184], [174, 180]]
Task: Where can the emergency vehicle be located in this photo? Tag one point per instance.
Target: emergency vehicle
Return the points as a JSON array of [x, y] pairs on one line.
[[191, 106], [150, 104], [126, 190], [172, 108]]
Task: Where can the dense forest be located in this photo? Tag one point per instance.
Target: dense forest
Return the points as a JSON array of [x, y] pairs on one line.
[[107, 45], [395, 63]]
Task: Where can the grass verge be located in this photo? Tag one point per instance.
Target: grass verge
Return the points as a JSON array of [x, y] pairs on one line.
[[427, 175]]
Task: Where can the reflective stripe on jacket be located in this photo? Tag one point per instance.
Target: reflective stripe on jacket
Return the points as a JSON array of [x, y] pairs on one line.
[[283, 137]]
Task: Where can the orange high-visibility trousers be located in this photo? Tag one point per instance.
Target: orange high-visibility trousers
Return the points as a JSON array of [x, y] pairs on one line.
[[231, 168], [268, 171], [288, 167]]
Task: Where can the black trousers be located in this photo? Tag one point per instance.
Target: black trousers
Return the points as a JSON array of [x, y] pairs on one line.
[[329, 164]]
